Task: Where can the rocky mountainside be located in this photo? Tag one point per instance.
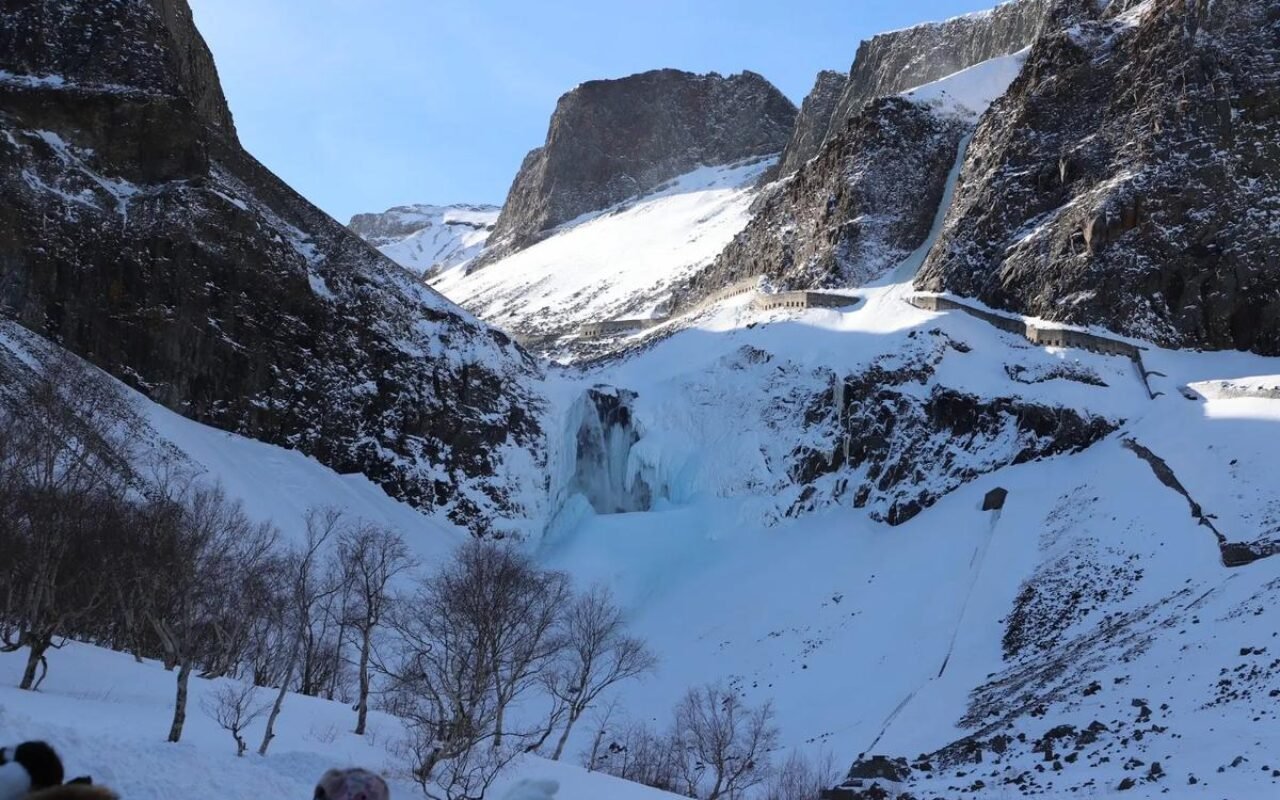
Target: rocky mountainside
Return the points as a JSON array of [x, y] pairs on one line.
[[893, 62], [614, 139], [861, 206], [813, 122], [869, 200], [426, 238], [135, 232], [1131, 178]]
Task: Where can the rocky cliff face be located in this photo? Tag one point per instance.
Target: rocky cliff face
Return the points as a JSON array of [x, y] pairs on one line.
[[861, 206], [614, 139], [426, 238], [137, 233], [814, 120], [1130, 178], [896, 61], [900, 447]]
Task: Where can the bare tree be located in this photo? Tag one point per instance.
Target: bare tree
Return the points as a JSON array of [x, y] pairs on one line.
[[306, 590], [442, 678], [473, 639], [234, 707], [802, 778], [372, 557], [638, 753], [66, 443], [601, 721], [725, 743], [521, 604], [596, 654], [204, 552]]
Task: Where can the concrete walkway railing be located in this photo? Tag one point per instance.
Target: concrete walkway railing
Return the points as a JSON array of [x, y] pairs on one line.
[[764, 301], [1041, 334]]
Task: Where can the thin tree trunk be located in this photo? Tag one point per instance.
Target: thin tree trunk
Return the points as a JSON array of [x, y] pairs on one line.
[[180, 703], [564, 737], [362, 712], [38, 647], [595, 748], [279, 703], [499, 718]]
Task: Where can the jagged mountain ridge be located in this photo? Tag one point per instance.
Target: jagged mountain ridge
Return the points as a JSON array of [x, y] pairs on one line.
[[136, 232], [609, 140], [426, 238], [812, 122], [893, 62]]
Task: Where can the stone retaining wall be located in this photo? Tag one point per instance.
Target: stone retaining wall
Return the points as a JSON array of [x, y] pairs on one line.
[[804, 299], [1043, 335]]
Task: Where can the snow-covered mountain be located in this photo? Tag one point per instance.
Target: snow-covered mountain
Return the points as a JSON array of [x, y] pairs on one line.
[[194, 274], [425, 238], [620, 262], [609, 140], [987, 540]]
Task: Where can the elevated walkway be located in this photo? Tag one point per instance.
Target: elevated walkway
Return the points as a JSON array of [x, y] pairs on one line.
[[763, 301], [1042, 334]]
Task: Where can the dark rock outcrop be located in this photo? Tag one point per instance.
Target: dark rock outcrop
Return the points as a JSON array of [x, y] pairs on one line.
[[813, 122], [896, 61], [614, 139], [135, 232], [126, 50], [1131, 179], [861, 206], [899, 450]]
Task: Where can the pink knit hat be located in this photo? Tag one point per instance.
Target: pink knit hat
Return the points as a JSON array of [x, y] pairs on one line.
[[352, 784]]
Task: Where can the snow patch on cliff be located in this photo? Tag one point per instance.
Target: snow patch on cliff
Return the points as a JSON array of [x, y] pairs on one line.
[[970, 92]]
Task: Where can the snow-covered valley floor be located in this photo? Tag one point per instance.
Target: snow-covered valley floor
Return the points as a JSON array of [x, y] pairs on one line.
[[108, 717]]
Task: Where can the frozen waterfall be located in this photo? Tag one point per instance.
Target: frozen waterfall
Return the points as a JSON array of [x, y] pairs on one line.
[[603, 470]]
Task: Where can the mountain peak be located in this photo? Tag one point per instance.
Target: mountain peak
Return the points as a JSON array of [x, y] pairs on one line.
[[423, 237], [613, 139]]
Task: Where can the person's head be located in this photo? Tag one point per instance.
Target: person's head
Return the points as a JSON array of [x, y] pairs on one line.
[[26, 768], [351, 784]]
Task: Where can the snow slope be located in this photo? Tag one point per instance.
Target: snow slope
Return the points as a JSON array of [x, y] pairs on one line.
[[108, 717], [273, 483], [423, 238], [616, 263], [970, 92], [846, 624]]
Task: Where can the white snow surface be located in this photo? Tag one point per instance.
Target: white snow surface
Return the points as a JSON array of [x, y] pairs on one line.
[[970, 92], [616, 263], [108, 718], [443, 237]]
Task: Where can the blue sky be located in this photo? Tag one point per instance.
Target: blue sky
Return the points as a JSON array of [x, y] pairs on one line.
[[365, 104]]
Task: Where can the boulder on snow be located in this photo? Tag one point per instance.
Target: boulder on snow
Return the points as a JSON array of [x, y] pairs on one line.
[[994, 500]]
